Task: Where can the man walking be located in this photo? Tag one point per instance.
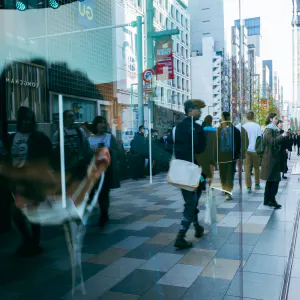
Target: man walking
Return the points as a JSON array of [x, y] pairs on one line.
[[183, 151], [252, 160]]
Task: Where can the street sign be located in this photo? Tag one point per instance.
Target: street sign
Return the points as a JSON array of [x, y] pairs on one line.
[[148, 87], [148, 75]]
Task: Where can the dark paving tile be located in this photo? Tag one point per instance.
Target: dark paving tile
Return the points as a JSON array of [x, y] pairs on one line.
[[223, 211], [239, 238], [205, 288], [232, 251], [172, 229], [164, 292], [249, 207], [151, 231], [171, 249], [138, 282], [145, 251], [170, 213], [211, 242]]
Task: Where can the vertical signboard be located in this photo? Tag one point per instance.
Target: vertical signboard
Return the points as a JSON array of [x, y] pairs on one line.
[[164, 58]]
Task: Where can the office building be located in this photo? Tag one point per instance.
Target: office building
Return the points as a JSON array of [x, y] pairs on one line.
[[206, 85], [269, 64], [266, 82]]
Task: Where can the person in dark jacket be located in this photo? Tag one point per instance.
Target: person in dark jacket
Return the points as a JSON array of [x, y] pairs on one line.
[[298, 143], [290, 143], [28, 146], [183, 151], [283, 152], [138, 150], [270, 167], [101, 138], [207, 158], [228, 152]]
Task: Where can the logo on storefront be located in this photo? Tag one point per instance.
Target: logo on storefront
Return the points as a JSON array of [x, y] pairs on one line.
[[86, 13], [22, 82]]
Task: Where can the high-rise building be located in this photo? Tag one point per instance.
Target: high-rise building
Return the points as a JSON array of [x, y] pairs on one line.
[[269, 64], [207, 19]]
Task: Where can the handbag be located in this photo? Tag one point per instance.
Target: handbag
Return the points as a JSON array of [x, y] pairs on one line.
[[211, 209], [184, 174]]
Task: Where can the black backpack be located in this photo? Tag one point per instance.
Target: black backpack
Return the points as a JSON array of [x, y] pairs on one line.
[[260, 146]]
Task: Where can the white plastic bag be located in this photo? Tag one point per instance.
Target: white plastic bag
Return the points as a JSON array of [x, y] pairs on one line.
[[211, 210]]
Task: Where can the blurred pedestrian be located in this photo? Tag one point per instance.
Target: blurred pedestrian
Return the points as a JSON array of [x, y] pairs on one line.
[[283, 154], [100, 139], [252, 160], [228, 152], [270, 168], [290, 143]]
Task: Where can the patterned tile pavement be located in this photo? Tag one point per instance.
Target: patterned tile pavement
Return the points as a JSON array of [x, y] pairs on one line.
[[134, 258]]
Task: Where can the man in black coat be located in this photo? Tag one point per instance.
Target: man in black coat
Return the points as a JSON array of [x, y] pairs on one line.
[[183, 151]]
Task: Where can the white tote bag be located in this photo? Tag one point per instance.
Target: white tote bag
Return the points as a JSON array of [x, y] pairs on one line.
[[184, 174], [211, 209]]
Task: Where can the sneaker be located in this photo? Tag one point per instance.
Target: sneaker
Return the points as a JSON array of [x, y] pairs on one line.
[[228, 197], [182, 243], [199, 230], [249, 190], [257, 187]]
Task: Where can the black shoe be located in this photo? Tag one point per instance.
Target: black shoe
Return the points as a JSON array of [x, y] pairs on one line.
[[275, 204], [267, 203], [182, 243], [284, 177], [199, 230], [102, 221]]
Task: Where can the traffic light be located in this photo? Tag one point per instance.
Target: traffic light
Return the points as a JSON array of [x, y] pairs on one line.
[[21, 5], [53, 3]]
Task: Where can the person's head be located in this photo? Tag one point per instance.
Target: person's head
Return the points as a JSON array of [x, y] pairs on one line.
[[250, 116], [280, 124], [26, 120], [192, 108], [142, 129], [99, 125], [68, 116], [225, 116], [208, 120], [272, 118]]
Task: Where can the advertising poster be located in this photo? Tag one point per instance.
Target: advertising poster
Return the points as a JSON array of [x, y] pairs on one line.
[[164, 58]]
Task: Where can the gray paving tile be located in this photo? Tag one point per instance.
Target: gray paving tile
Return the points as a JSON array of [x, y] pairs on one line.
[[248, 239], [145, 251], [296, 267], [138, 282], [233, 251], [256, 286], [161, 262], [220, 231], [266, 264], [211, 242], [278, 225], [164, 223], [119, 296], [164, 292], [138, 225], [236, 298], [207, 289], [181, 275], [122, 268], [131, 242], [294, 289]]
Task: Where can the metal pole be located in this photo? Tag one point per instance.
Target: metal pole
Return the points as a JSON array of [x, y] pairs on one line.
[[62, 152], [150, 145], [250, 89], [139, 48]]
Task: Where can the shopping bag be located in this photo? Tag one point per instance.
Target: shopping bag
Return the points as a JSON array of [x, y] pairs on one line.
[[211, 210]]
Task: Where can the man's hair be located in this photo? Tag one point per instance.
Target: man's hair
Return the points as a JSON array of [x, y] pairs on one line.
[[96, 121], [270, 116], [280, 122], [226, 115], [250, 116], [208, 120], [141, 127], [22, 114], [66, 112], [192, 104]]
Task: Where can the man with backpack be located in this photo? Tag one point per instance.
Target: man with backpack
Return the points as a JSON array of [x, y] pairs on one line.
[[77, 150], [186, 134], [228, 152], [252, 160]]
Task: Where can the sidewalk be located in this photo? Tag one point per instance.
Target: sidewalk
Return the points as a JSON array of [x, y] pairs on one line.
[[134, 258]]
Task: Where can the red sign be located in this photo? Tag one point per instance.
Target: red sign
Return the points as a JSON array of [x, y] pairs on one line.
[[264, 103], [148, 75], [164, 58]]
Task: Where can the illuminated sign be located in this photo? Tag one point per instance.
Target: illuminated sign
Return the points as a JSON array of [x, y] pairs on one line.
[[86, 11]]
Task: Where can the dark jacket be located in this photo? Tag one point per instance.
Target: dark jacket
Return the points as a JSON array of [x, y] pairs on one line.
[[39, 147], [138, 144], [183, 140], [290, 143], [282, 154], [114, 169], [270, 167], [221, 155]]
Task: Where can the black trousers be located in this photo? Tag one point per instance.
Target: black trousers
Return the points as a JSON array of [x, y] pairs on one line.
[[190, 213], [103, 198], [30, 233], [138, 166], [271, 190]]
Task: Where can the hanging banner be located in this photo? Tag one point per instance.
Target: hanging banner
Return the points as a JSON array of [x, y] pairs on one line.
[[164, 58]]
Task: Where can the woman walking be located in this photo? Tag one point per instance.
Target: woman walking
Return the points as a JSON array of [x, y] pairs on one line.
[[101, 138], [270, 168]]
